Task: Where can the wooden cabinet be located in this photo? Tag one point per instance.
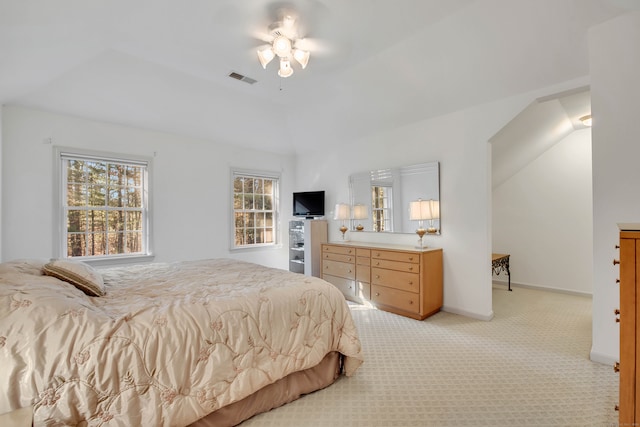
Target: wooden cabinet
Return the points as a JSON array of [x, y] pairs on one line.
[[400, 280], [629, 317]]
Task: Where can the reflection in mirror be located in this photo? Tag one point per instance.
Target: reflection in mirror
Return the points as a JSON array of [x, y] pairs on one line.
[[385, 194]]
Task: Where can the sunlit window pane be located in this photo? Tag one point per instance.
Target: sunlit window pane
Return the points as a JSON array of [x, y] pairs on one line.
[[76, 194], [76, 221], [105, 207], [254, 205], [76, 244], [96, 245], [134, 242]]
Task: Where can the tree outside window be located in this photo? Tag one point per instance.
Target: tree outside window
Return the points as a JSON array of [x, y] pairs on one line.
[[254, 209], [381, 202], [104, 207]]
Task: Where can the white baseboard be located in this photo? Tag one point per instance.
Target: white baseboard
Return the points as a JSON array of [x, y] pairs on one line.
[[543, 288], [605, 359], [465, 313]]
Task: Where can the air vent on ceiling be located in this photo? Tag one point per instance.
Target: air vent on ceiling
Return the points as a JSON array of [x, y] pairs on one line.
[[242, 78]]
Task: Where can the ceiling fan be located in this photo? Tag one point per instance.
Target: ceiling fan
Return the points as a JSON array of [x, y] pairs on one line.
[[285, 41]]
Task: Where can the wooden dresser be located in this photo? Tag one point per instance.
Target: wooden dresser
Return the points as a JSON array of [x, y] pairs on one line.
[[629, 317], [394, 278]]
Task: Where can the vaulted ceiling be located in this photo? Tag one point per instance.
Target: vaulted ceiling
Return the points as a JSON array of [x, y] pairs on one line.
[[375, 65], [537, 128]]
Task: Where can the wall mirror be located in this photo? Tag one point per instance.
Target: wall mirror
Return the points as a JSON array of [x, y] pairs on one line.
[[380, 199]]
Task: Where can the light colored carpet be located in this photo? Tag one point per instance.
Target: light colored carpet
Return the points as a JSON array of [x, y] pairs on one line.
[[529, 366]]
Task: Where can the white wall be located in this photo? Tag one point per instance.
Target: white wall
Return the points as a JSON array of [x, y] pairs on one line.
[[190, 184], [459, 141], [542, 217], [614, 51], [1, 181]]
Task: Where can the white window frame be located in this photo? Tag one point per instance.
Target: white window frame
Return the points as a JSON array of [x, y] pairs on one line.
[[235, 172], [61, 154]]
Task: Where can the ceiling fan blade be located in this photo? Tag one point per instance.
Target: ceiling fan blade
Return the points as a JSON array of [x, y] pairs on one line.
[[314, 45], [263, 36]]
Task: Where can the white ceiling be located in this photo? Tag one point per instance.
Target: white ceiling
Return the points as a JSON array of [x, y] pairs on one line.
[[376, 65]]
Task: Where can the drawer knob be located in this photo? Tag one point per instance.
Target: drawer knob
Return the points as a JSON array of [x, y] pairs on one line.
[[616, 408], [616, 367], [377, 294], [410, 258], [377, 263], [410, 302], [411, 282], [617, 280], [616, 311], [377, 276], [616, 261], [410, 268]]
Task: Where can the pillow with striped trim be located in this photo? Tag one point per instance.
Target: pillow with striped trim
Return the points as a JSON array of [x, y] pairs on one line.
[[79, 274]]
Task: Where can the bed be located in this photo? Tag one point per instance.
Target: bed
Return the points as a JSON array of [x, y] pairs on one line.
[[208, 342]]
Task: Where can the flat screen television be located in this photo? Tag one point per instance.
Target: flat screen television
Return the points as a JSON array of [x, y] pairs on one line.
[[309, 204]]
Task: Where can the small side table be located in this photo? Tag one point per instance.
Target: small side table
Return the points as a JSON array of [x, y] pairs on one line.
[[500, 263]]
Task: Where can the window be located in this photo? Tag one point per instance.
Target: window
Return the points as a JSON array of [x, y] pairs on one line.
[[104, 206], [255, 209], [381, 203]]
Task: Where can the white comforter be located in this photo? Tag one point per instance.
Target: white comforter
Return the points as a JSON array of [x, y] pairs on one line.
[[166, 345]]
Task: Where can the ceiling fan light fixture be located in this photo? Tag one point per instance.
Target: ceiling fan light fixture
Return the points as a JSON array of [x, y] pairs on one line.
[[285, 44], [265, 56], [302, 56], [282, 46], [285, 68]]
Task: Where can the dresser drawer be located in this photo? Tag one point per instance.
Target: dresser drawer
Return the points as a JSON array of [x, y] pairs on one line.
[[396, 265], [339, 269], [396, 279], [360, 260], [338, 257], [363, 291], [363, 252], [406, 301], [334, 249], [363, 273], [346, 286], [396, 256]]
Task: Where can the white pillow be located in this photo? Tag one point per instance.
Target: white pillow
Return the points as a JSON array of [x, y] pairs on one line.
[[79, 274]]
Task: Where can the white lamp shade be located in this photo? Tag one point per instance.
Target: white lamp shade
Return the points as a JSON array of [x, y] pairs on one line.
[[342, 211], [360, 211], [265, 56], [435, 209], [302, 57], [419, 210], [285, 68]]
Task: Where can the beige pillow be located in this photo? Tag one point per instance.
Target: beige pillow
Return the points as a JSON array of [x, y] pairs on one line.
[[79, 274]]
